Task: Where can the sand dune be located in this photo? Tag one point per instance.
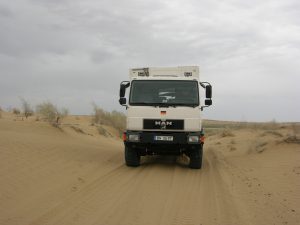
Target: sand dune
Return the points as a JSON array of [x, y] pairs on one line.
[[74, 175]]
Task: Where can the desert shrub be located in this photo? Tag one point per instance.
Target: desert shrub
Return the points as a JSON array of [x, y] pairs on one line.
[[16, 111], [232, 148], [257, 146], [295, 129], [99, 116], [48, 111], [118, 121], [114, 119], [78, 130], [27, 110], [63, 112], [51, 114], [101, 131], [211, 131], [0, 112], [272, 132], [272, 125], [227, 133], [292, 139]]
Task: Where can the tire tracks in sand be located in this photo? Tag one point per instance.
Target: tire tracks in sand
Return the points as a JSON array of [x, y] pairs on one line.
[[155, 193]]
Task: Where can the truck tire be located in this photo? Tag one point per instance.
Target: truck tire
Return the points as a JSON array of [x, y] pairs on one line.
[[132, 158], [196, 158]]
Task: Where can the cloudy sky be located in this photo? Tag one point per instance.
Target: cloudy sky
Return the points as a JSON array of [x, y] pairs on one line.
[[73, 53]]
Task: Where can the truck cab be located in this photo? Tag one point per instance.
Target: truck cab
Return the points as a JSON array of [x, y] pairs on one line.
[[164, 113]]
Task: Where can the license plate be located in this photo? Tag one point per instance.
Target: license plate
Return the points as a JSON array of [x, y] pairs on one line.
[[163, 138]]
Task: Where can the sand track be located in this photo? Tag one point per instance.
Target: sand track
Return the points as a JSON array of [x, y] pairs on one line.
[[53, 177]]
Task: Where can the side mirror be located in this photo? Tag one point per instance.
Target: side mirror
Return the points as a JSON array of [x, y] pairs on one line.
[[122, 90], [208, 92], [208, 102], [122, 101], [123, 86]]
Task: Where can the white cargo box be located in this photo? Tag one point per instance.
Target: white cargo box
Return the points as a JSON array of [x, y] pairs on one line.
[[188, 72]]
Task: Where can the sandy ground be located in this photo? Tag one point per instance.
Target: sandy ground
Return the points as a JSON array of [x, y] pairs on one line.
[[53, 176]]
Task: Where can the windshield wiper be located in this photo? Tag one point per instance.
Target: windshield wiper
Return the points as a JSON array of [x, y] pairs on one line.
[[160, 104], [175, 104], [184, 104], [142, 103], [155, 104]]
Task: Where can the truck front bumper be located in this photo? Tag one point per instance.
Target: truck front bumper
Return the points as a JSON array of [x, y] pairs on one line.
[[163, 142]]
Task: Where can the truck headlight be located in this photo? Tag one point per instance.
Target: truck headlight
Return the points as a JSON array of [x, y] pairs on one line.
[[134, 137], [193, 139]]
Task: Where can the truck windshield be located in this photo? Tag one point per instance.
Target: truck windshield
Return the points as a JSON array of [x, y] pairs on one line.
[[164, 93]]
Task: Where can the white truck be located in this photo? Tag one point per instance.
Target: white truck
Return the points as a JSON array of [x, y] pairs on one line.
[[164, 113]]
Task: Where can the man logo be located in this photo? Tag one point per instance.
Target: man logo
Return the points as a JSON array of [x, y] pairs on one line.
[[163, 124]]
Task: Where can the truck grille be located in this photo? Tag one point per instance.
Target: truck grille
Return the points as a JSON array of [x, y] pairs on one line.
[[158, 124]]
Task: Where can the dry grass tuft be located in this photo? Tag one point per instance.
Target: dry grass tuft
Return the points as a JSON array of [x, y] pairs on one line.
[[258, 146], [294, 136], [103, 131], [211, 131], [114, 119], [77, 129], [292, 139], [227, 133], [272, 132], [16, 111], [51, 114], [232, 148], [295, 129], [27, 110]]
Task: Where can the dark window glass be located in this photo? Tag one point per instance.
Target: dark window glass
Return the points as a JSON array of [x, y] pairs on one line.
[[145, 92]]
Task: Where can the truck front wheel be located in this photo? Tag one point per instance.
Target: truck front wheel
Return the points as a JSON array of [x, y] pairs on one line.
[[132, 158], [196, 158]]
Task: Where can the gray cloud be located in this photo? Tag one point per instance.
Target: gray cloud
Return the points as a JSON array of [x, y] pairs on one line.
[[76, 52], [5, 12]]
